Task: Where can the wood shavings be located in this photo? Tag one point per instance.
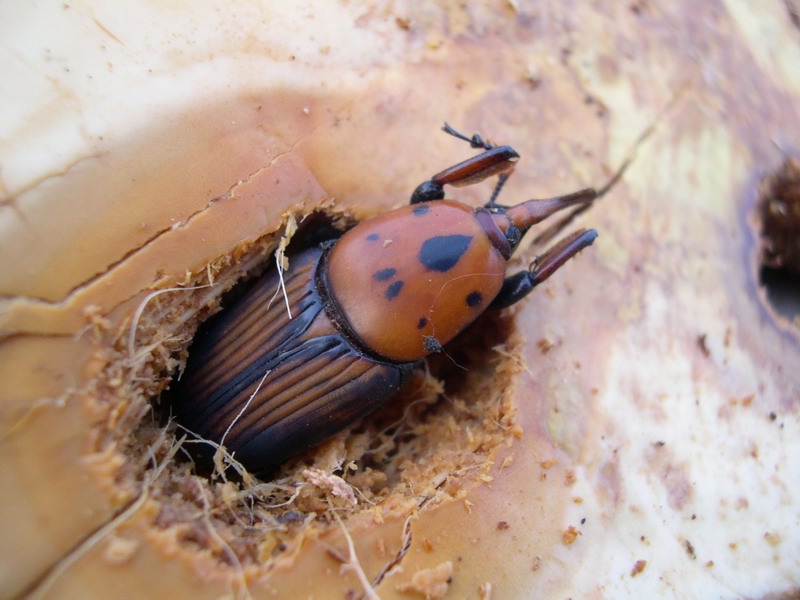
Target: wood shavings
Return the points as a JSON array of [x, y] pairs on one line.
[[281, 260], [119, 550], [67, 562], [485, 591], [140, 310], [431, 583], [354, 564], [415, 452], [638, 567], [334, 484], [570, 535]]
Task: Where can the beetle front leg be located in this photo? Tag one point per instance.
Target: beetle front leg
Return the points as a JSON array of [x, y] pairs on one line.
[[472, 170], [516, 287], [501, 181], [476, 141], [495, 160]]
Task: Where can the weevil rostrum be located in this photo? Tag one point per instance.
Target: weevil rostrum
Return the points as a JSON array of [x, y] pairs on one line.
[[367, 308]]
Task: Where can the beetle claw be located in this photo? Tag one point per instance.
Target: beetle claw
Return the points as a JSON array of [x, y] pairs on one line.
[[476, 141]]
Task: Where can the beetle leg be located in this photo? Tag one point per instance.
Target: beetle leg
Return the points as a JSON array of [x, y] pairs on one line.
[[501, 181], [473, 170], [516, 287], [495, 159], [476, 141]]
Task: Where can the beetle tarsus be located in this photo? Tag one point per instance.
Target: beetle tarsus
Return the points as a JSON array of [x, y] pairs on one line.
[[516, 287], [473, 170], [495, 160], [476, 141]]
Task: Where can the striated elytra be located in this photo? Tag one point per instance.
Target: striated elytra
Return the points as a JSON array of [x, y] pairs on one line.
[[366, 309]]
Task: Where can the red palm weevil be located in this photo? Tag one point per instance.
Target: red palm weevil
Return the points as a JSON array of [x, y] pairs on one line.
[[367, 308]]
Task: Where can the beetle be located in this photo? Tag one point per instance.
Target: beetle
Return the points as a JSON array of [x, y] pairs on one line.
[[367, 308]]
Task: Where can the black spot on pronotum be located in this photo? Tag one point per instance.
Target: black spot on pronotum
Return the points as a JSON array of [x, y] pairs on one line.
[[420, 210], [394, 289], [474, 299], [431, 344], [441, 253], [384, 274], [422, 322], [373, 237]]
